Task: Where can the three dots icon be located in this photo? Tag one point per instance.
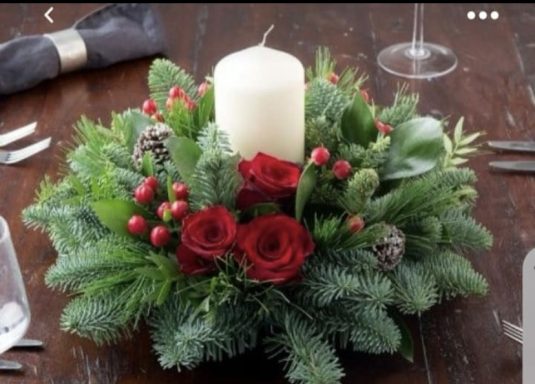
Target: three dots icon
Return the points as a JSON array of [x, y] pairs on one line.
[[483, 15]]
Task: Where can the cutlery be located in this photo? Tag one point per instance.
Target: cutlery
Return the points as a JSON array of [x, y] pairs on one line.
[[28, 343], [515, 146], [17, 134], [15, 156], [514, 332], [515, 166], [7, 365]]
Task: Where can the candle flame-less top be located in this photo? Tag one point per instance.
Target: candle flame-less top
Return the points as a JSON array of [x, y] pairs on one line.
[[259, 95]]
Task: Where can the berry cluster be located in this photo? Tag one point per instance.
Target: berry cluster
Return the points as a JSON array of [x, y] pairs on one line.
[[168, 212]]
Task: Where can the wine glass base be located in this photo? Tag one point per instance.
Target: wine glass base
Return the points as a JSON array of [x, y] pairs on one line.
[[432, 60]]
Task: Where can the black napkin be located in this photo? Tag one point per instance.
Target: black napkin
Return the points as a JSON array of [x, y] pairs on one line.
[[114, 33]]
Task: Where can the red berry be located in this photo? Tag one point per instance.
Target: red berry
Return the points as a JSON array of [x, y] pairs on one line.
[[334, 78], [165, 206], [157, 116], [149, 107], [320, 156], [144, 194], [176, 93], [160, 236], [342, 169], [355, 224], [137, 225], [169, 103], [152, 182], [181, 191], [385, 129], [365, 95], [203, 88], [179, 209]]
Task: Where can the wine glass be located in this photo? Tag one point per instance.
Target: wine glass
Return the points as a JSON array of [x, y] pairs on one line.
[[14, 308], [417, 59]]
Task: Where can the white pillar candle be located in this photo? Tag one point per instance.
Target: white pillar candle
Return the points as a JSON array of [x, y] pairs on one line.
[[260, 102]]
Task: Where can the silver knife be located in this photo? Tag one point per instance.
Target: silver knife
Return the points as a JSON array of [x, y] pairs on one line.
[[6, 365], [516, 146], [28, 343], [514, 166]]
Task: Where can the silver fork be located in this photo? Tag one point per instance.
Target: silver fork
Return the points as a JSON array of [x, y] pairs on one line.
[[514, 332], [17, 134], [11, 157]]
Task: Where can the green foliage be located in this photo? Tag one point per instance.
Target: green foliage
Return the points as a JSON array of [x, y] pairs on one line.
[[163, 75], [402, 110], [308, 357], [358, 123], [216, 179], [359, 190], [415, 288], [460, 146], [325, 99], [305, 187], [461, 231]]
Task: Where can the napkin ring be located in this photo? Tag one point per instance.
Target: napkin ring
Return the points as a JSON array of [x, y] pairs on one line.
[[71, 49]]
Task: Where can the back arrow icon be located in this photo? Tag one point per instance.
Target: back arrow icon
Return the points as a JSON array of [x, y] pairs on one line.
[[47, 15]]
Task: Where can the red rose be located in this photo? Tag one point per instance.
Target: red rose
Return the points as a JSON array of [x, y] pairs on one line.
[[273, 247], [275, 178], [206, 234], [191, 263]]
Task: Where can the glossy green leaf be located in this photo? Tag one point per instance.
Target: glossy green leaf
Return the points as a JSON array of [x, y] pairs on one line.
[[358, 124], [306, 185], [185, 154], [132, 124], [406, 345], [416, 147], [114, 214]]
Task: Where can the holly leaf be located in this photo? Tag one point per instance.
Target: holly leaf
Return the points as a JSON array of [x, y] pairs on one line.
[[114, 214], [306, 185], [416, 147], [185, 154], [358, 124]]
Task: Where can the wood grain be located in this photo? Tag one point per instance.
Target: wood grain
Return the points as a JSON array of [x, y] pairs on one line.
[[492, 88]]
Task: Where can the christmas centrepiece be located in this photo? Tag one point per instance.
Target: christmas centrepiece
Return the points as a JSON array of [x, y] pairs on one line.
[[259, 211]]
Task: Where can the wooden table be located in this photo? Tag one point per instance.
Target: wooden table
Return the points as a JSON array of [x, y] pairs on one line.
[[492, 88]]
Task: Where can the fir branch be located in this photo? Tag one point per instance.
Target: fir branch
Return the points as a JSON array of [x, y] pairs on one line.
[[309, 359], [325, 99], [359, 190], [163, 75], [454, 275], [403, 109], [462, 232], [415, 288]]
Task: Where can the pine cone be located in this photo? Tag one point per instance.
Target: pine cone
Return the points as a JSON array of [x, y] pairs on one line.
[[390, 249], [152, 140]]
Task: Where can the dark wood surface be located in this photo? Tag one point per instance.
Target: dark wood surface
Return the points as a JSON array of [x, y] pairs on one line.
[[491, 87]]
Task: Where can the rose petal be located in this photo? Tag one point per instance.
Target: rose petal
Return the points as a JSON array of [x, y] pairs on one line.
[[191, 264]]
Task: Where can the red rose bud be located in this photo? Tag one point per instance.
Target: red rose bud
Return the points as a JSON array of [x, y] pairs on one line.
[[169, 103], [143, 194], [164, 207], [176, 93], [365, 96], [273, 177], [152, 182], [334, 78], [137, 225], [273, 248], [181, 191], [203, 88], [320, 156], [342, 169], [190, 105], [158, 117], [149, 107], [179, 209], [385, 129], [160, 236], [355, 224]]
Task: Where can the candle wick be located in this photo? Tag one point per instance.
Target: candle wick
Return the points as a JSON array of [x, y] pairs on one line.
[[266, 35]]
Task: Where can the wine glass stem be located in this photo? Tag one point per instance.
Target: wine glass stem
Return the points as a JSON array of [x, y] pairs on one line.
[[417, 47]]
